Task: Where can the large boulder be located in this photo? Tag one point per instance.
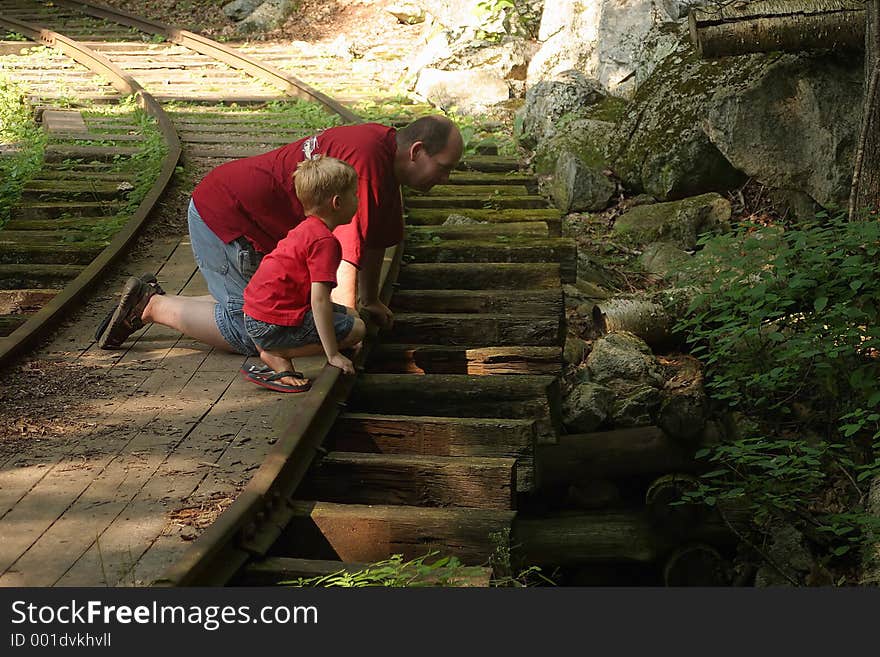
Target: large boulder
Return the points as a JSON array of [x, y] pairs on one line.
[[617, 42], [569, 92], [586, 407], [588, 138], [238, 10], [796, 127], [268, 16], [577, 187], [677, 222], [788, 120], [622, 357], [466, 91]]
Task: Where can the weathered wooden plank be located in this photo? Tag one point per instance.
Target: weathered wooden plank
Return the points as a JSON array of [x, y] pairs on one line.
[[439, 436], [519, 396], [412, 479], [495, 201], [37, 276], [475, 189], [560, 249], [49, 209], [476, 276], [489, 163], [482, 329], [392, 358], [572, 539], [13, 252], [353, 532], [418, 234], [604, 454], [436, 216], [529, 302]]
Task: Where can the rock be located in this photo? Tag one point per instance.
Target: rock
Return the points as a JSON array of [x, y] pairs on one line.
[[617, 42], [238, 10], [574, 350], [663, 259], [789, 552], [270, 15], [660, 146], [623, 357], [795, 127], [793, 203], [635, 406], [467, 91], [705, 125], [407, 13], [577, 187], [549, 100], [461, 220], [683, 411], [586, 407], [677, 222], [587, 138]]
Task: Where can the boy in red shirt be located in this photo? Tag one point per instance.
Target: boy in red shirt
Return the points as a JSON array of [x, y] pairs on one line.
[[287, 307]]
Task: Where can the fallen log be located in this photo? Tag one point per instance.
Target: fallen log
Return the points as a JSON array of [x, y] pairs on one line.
[[789, 25]]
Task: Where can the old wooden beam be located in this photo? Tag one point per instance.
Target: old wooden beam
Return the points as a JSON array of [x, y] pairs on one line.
[[790, 25]]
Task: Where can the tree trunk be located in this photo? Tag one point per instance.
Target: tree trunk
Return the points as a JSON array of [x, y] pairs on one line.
[[865, 192], [789, 25]]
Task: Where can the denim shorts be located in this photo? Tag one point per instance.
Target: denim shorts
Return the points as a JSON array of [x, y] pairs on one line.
[[227, 268], [274, 337]]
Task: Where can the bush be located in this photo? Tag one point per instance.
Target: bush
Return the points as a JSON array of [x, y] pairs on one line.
[[787, 329], [24, 143]]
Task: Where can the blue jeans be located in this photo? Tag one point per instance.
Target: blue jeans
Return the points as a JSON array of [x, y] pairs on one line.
[[227, 268], [273, 337]]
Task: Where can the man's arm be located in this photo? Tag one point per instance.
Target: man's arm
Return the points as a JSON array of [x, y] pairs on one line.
[[322, 311], [368, 284]]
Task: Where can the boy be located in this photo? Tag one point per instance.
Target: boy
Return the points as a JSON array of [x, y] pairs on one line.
[[287, 307]]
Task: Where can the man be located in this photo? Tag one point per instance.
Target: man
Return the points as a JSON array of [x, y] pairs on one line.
[[243, 208]]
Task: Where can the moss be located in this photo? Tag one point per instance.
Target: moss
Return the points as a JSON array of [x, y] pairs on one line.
[[659, 146], [586, 138], [611, 109]]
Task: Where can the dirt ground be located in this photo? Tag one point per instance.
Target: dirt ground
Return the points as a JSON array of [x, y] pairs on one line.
[[363, 21]]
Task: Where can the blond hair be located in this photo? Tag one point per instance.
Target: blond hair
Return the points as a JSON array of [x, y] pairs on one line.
[[319, 179]]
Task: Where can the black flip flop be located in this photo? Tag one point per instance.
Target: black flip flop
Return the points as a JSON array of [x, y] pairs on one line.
[[268, 378]]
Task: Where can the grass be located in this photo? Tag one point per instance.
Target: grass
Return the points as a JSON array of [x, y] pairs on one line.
[[23, 145]]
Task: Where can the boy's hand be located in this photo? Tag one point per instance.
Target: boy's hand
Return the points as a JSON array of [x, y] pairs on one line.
[[380, 313], [342, 363]]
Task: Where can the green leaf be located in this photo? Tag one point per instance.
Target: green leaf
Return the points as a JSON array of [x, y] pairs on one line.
[[820, 303]]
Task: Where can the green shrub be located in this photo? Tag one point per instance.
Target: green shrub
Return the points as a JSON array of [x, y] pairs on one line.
[[23, 142], [787, 329]]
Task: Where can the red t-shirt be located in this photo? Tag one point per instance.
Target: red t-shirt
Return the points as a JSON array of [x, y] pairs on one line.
[[254, 197], [280, 292]]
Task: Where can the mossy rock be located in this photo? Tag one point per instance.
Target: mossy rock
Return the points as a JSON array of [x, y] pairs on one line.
[[587, 138], [659, 146], [678, 222]]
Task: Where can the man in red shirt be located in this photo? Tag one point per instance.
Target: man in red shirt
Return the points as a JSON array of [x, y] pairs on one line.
[[243, 208]]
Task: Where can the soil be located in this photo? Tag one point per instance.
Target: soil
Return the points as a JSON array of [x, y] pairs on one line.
[[364, 22]]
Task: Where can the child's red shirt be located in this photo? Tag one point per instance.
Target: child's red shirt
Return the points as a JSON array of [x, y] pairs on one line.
[[280, 291]]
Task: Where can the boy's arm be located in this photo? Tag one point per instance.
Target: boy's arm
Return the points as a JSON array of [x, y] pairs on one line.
[[322, 311]]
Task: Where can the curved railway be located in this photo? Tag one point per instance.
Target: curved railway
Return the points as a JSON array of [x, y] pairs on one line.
[[449, 440]]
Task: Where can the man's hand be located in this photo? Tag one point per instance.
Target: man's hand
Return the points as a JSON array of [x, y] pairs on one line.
[[380, 313], [342, 363]]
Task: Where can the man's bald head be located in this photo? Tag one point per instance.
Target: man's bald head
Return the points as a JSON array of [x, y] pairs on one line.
[[428, 149]]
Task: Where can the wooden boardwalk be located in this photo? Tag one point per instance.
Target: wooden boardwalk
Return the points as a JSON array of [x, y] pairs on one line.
[[156, 459]]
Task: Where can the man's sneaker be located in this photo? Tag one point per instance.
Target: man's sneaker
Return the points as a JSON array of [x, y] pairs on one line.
[[125, 319]]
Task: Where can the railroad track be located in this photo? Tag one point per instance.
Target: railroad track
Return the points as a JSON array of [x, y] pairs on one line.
[[449, 440]]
